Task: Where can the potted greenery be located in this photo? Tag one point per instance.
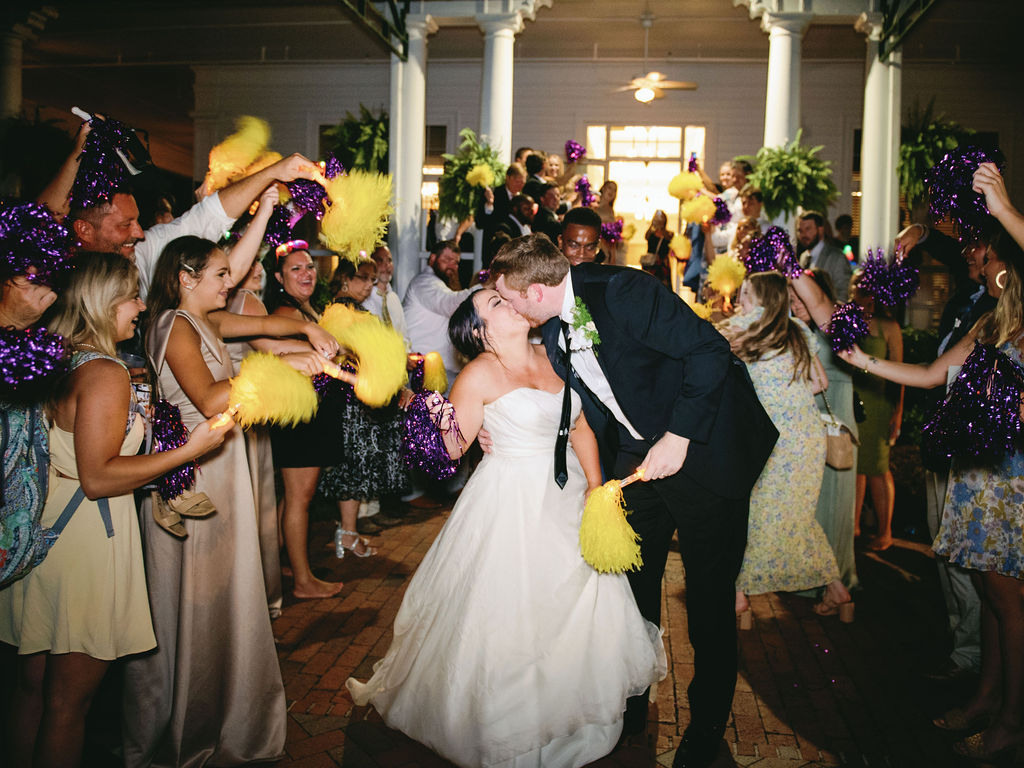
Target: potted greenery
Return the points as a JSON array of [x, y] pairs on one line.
[[466, 172], [925, 139], [360, 142], [792, 177]]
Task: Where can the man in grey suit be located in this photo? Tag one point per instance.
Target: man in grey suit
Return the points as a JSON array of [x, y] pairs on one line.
[[819, 252]]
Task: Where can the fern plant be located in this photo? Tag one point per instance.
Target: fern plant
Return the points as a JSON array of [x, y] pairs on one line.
[[360, 142], [792, 177], [457, 198], [925, 139]]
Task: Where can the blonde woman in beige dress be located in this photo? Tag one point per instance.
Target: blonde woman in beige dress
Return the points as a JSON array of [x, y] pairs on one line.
[[212, 692], [85, 604]]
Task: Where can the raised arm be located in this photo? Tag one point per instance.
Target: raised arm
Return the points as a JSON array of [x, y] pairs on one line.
[[989, 182], [57, 194], [236, 198], [922, 376], [819, 306], [248, 246]]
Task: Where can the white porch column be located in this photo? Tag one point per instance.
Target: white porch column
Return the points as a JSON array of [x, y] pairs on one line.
[[11, 49], [782, 98], [395, 143], [496, 97], [410, 94], [880, 140]]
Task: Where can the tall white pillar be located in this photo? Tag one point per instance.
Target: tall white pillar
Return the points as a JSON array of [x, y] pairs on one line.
[[496, 97], [407, 162], [395, 140], [782, 98], [880, 139], [11, 50]]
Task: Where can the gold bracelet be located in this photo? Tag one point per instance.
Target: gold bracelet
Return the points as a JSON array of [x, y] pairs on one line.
[[871, 361]]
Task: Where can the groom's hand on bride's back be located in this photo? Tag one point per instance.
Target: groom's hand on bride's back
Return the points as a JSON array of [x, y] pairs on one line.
[[483, 437], [666, 456]]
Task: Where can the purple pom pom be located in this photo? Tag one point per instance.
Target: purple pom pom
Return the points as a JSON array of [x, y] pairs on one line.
[[612, 231], [574, 151], [587, 197], [308, 197], [950, 183], [169, 432], [279, 227], [692, 166], [101, 170], [772, 251], [722, 213], [27, 357], [416, 374], [891, 284], [423, 439], [848, 325], [482, 276], [33, 243], [333, 167], [980, 417]]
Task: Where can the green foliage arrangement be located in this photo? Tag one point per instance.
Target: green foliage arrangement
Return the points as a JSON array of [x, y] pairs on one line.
[[925, 139], [457, 198], [360, 142], [793, 177]]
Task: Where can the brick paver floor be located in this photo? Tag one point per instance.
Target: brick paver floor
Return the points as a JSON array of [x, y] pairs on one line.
[[811, 691]]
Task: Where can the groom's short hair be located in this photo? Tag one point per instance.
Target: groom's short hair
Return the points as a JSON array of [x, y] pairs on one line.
[[527, 260]]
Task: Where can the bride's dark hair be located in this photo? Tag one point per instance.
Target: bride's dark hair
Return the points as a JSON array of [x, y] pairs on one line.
[[466, 330]]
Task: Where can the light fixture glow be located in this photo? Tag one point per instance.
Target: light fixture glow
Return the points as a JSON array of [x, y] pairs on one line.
[[644, 95]]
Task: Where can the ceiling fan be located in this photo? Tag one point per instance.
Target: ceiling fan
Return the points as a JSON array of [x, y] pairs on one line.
[[653, 85]]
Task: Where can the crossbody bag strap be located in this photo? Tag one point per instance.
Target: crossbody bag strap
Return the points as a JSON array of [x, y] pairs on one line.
[[69, 510]]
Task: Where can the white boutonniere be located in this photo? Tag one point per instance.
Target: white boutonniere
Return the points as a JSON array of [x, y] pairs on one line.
[[582, 333]]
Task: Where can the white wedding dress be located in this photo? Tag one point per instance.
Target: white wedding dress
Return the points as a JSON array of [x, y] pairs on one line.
[[509, 650]]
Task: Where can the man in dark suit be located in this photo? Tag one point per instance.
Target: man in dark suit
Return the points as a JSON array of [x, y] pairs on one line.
[[819, 252], [534, 178], [518, 223], [494, 206], [662, 392], [545, 220]]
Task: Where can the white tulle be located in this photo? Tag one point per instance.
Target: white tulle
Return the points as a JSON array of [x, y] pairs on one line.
[[509, 650]]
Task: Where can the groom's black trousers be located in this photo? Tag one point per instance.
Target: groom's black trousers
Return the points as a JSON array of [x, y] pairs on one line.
[[712, 538]]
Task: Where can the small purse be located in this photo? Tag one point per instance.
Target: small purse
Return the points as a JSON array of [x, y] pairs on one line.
[[839, 439]]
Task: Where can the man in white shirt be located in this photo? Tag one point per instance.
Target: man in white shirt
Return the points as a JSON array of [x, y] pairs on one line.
[[383, 301]]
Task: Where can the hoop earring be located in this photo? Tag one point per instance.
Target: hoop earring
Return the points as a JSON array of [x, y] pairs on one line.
[[1001, 274]]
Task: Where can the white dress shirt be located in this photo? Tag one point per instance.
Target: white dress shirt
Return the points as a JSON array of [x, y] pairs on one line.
[[429, 304], [395, 314]]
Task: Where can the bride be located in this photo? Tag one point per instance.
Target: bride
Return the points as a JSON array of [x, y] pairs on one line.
[[509, 650]]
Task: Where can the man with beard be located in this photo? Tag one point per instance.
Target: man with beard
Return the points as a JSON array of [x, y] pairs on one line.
[[818, 252], [430, 301]]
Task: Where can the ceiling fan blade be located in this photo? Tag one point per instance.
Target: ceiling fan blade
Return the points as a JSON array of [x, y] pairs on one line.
[[654, 76], [677, 85]]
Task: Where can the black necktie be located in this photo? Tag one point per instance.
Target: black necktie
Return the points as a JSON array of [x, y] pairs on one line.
[[562, 441]]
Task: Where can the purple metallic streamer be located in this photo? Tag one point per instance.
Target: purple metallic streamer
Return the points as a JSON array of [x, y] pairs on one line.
[[848, 325], [722, 213], [30, 356], [423, 445], [101, 171], [772, 251], [980, 417], [308, 197], [890, 283], [333, 166], [279, 228], [33, 243], [692, 166], [416, 374], [612, 231], [574, 151], [169, 432], [587, 197], [950, 184], [483, 276]]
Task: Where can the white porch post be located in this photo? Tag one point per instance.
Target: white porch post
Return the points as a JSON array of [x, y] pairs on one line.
[[782, 97], [410, 96], [496, 97], [880, 141], [11, 48]]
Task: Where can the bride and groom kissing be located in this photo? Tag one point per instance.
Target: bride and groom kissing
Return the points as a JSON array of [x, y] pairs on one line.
[[509, 650]]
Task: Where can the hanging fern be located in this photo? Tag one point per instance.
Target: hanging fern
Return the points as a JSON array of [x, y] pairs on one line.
[[926, 138], [360, 142], [457, 198], [793, 177]]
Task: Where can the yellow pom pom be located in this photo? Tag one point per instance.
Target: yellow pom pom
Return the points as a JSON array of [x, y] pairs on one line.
[[358, 214], [607, 541], [267, 389], [481, 175], [230, 159], [703, 311], [435, 377], [726, 273], [685, 185], [264, 161], [380, 360], [700, 209], [337, 317], [681, 246]]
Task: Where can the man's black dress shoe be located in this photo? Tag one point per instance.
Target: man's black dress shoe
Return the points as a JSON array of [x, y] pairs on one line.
[[696, 754]]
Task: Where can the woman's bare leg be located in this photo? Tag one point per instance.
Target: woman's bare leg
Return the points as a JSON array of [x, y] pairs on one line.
[[71, 682], [299, 487]]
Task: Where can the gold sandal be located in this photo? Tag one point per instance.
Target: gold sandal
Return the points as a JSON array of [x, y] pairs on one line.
[[192, 504], [166, 517]]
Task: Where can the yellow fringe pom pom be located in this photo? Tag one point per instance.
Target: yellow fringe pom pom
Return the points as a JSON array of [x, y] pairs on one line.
[[703, 311], [358, 214], [700, 209], [337, 317], [267, 389], [726, 273], [481, 175], [681, 246], [380, 360], [685, 185], [607, 541], [230, 159], [435, 377]]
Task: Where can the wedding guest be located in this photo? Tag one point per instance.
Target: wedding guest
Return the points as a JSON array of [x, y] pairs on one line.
[[85, 605], [605, 208], [545, 220], [494, 204], [786, 549], [658, 237], [819, 252], [535, 179], [580, 240], [509, 648], [383, 300], [980, 530], [553, 169], [212, 691]]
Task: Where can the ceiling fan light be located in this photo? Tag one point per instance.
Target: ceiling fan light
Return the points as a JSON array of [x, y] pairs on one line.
[[644, 95]]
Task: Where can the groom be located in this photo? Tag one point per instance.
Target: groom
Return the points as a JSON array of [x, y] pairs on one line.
[[662, 392]]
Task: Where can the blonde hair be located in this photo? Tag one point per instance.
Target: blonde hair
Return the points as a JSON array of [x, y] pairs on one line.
[[528, 260], [1005, 322], [775, 331], [86, 310]]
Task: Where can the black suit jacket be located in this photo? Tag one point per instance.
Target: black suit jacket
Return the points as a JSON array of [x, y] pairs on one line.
[[547, 222], [489, 221], [533, 187], [670, 371]]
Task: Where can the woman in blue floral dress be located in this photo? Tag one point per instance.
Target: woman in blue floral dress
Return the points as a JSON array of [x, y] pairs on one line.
[[983, 519], [786, 547]]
